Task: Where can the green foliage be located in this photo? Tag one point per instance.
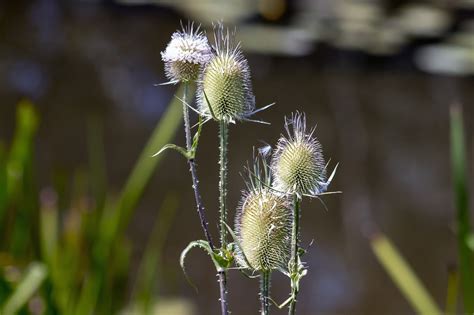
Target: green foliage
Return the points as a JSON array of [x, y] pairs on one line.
[[72, 235], [459, 176], [148, 271], [30, 282]]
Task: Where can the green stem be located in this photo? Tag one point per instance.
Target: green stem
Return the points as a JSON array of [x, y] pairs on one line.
[[187, 125], [192, 168], [294, 252], [461, 192], [223, 143], [265, 292]]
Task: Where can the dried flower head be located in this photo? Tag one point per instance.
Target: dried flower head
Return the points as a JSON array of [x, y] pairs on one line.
[[225, 84], [187, 52], [263, 226], [298, 163]]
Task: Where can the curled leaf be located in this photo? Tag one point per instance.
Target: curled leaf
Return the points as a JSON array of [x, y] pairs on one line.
[[196, 138], [207, 248], [181, 150]]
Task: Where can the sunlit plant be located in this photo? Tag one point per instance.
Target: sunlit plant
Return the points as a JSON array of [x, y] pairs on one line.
[[265, 238]]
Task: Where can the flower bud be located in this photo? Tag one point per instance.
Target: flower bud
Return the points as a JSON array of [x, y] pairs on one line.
[[298, 164], [187, 52], [225, 84], [263, 223]]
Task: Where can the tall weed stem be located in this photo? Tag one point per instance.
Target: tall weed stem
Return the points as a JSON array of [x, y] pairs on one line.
[[294, 252], [192, 168], [223, 143], [265, 292]]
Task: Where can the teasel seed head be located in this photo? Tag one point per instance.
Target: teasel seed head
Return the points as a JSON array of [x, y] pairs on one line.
[[263, 225], [298, 164], [186, 54], [225, 85]]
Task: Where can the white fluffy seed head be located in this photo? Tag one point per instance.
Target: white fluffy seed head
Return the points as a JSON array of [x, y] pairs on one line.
[[225, 84], [263, 225], [186, 54], [298, 163]]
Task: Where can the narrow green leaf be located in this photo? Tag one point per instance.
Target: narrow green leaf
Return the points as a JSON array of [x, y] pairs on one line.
[[237, 242], [403, 276], [148, 272], [196, 137], [26, 125], [3, 184], [175, 147], [452, 291], [199, 244], [459, 177], [145, 166], [49, 224], [30, 283], [209, 105], [21, 189]]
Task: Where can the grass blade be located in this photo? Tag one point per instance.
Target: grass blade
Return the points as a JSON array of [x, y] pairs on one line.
[[21, 191], [34, 277], [149, 267], [3, 183], [26, 125], [403, 276], [146, 165], [452, 291], [459, 171]]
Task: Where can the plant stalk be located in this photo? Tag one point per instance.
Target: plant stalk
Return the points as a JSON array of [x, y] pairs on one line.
[[192, 168], [265, 292], [461, 192], [223, 143], [294, 252], [222, 279]]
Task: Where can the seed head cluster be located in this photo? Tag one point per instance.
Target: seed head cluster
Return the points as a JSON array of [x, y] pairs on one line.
[[186, 54], [298, 164], [263, 225], [225, 85]]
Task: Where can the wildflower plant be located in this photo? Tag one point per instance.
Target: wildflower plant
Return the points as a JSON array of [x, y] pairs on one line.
[[266, 232]]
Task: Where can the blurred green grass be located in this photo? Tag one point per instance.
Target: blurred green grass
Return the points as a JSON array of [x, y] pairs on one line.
[[399, 269], [63, 248]]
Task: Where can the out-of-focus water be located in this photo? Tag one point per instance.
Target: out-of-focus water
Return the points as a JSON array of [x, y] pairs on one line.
[[383, 120]]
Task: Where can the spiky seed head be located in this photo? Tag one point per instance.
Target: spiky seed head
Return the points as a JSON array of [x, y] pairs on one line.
[[263, 225], [225, 81], [298, 163], [186, 54]]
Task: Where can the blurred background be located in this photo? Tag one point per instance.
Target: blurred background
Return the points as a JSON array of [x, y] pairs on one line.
[[79, 103]]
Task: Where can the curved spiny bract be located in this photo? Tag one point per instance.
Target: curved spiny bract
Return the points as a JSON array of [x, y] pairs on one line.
[[298, 164], [225, 83], [186, 54], [263, 225]]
